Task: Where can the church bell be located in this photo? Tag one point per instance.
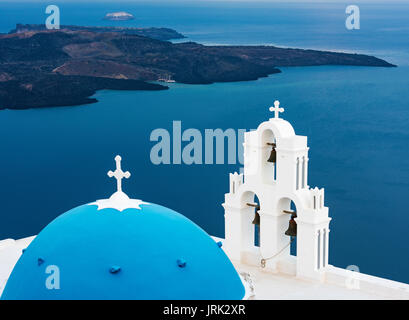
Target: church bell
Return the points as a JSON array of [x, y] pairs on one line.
[[256, 220], [273, 154], [292, 227]]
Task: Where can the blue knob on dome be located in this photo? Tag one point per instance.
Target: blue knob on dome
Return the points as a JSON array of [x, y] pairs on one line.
[[219, 244], [115, 269], [181, 263]]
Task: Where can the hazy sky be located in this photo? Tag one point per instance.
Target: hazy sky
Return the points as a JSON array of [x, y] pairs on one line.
[[346, 2], [272, 1]]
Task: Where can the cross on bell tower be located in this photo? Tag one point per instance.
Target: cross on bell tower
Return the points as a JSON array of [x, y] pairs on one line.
[[118, 173], [276, 109]]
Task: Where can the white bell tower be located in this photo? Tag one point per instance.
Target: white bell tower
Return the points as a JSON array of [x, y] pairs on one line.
[[277, 183]]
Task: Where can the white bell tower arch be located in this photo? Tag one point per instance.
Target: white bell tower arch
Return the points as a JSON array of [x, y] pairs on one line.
[[276, 183]]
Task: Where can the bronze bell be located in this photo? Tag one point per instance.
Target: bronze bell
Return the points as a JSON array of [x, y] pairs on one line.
[[256, 219], [292, 227], [273, 154]]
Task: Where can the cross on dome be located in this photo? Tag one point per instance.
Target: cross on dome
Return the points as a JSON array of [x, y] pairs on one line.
[[118, 173], [119, 200], [276, 109]]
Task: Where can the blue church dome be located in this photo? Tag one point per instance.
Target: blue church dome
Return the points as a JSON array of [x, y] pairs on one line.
[[121, 248]]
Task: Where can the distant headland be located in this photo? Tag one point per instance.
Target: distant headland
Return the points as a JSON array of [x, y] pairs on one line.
[[44, 68], [119, 16], [154, 33]]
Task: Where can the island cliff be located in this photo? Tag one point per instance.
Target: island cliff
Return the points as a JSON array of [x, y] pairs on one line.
[[42, 68], [154, 33]]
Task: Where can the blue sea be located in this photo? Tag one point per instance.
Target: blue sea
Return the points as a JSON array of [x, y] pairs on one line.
[[356, 120]]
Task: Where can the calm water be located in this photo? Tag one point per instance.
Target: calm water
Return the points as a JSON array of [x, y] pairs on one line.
[[356, 120]]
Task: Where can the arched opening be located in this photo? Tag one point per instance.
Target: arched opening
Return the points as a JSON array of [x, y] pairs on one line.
[[288, 207], [269, 156]]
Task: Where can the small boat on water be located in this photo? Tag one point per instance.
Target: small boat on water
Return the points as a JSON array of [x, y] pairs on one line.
[[168, 79]]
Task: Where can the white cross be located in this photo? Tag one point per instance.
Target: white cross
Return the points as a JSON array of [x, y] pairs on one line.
[[276, 109], [118, 173]]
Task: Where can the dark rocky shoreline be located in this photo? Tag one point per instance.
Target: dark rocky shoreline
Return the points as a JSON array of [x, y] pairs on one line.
[[43, 68]]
